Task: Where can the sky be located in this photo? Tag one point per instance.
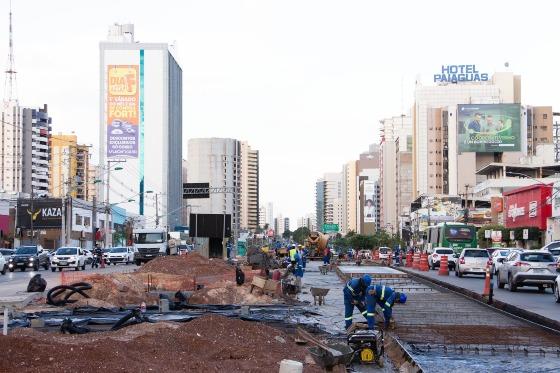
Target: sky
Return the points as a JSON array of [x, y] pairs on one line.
[[303, 81]]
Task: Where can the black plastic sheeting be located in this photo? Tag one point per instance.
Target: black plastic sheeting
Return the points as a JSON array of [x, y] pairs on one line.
[[281, 315]]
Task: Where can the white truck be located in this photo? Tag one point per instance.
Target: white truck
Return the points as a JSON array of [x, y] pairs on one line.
[[150, 243]]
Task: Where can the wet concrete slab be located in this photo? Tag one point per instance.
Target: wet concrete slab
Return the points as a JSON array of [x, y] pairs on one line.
[[374, 271]]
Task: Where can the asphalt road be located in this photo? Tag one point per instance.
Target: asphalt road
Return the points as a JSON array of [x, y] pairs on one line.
[[13, 282], [527, 297]]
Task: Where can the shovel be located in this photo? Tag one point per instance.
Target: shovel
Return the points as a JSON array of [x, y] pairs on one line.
[[308, 337]]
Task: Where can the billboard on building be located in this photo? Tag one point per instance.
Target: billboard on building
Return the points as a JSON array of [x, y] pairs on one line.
[[44, 213], [369, 202], [122, 111], [489, 128]]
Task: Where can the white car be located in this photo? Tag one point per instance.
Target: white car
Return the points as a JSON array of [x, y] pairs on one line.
[[3, 264], [556, 289], [499, 256], [554, 248], [472, 261], [120, 255], [434, 259], [384, 252], [68, 257]]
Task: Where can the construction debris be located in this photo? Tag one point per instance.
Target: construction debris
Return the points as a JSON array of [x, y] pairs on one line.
[[211, 343], [192, 264], [228, 292], [119, 289]]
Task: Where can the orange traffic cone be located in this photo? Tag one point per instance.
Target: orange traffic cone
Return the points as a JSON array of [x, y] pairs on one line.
[[443, 266], [409, 259], [486, 292]]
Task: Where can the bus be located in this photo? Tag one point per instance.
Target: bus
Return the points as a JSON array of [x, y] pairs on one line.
[[456, 236]]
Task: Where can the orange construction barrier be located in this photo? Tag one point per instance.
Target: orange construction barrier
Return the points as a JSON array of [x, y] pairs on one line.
[[424, 263], [416, 264], [487, 282], [409, 259], [444, 266], [376, 255]]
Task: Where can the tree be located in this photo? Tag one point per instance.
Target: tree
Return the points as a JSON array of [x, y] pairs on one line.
[[287, 234], [301, 234]]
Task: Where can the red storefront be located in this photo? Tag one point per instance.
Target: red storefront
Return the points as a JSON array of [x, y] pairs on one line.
[[528, 207]]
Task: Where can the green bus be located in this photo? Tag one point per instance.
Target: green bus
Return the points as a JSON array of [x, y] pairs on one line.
[[456, 236]]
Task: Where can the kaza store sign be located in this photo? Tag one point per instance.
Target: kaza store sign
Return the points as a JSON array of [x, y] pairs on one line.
[[44, 213], [460, 73]]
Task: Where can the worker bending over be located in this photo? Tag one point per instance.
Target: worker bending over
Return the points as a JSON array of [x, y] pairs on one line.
[[354, 295], [385, 297]]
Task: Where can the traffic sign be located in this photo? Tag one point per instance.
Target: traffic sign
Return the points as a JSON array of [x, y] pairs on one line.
[[525, 234], [330, 228]]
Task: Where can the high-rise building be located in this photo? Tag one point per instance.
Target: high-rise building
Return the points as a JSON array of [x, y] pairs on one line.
[[94, 185], [333, 213], [25, 149], [279, 226], [435, 154], [216, 161], [320, 203], [262, 216], [286, 224], [270, 214], [69, 167], [307, 221], [349, 197], [249, 188], [396, 137], [141, 126]]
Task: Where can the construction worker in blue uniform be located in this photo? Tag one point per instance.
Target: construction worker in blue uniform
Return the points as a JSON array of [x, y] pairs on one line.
[[384, 297], [354, 296]]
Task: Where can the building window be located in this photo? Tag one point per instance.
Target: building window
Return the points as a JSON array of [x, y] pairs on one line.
[[544, 116], [78, 219], [87, 221]]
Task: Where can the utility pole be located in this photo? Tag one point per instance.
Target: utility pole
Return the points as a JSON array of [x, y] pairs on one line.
[[157, 211], [93, 220], [107, 206], [32, 212], [467, 186]]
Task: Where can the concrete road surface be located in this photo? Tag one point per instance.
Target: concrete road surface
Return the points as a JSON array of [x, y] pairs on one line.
[[13, 282], [527, 298]]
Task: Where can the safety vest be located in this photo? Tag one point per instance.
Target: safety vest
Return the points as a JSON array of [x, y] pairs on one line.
[[293, 255]]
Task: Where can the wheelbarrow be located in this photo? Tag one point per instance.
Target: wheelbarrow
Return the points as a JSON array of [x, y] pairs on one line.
[[319, 295], [327, 355]]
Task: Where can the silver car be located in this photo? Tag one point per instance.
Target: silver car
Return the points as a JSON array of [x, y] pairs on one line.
[[527, 268], [472, 261], [499, 256]]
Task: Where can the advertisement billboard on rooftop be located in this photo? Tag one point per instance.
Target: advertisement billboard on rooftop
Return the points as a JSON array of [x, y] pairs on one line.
[[489, 128]]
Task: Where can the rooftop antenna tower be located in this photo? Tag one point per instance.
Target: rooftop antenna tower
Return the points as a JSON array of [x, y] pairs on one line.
[[10, 84]]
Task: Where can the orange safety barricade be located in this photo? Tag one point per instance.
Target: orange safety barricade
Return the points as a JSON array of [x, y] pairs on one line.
[[443, 266]]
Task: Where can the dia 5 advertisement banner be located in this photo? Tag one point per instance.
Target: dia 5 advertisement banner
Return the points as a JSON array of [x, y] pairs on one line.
[[122, 111]]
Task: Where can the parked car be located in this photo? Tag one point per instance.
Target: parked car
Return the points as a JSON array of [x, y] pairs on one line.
[[89, 256], [3, 264], [553, 247], [556, 289], [472, 261], [7, 253], [365, 254], [527, 268], [32, 256], [384, 253], [69, 257], [499, 255], [438, 253], [120, 255]]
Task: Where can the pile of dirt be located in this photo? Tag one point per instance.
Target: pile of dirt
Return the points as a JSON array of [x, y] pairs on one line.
[[192, 264], [228, 292], [119, 289], [211, 343]]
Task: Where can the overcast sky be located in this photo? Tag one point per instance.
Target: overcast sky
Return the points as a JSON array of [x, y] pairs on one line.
[[304, 81]]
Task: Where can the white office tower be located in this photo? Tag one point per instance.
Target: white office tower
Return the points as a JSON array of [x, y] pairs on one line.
[[140, 117]]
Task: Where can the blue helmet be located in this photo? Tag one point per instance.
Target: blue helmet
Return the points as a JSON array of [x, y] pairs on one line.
[[367, 280], [402, 298]]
